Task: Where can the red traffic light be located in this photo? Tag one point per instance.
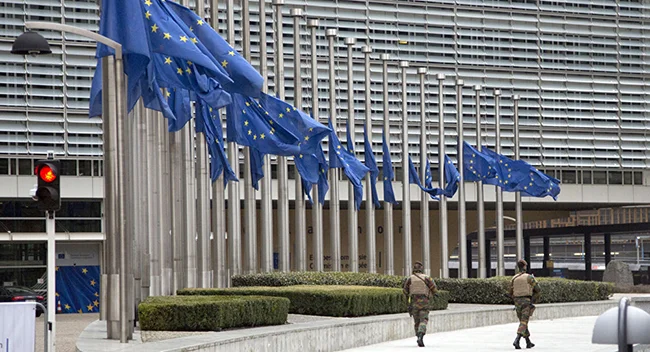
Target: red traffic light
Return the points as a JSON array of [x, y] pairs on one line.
[[47, 174]]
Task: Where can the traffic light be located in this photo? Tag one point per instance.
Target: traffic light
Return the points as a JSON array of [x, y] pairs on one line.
[[48, 191]]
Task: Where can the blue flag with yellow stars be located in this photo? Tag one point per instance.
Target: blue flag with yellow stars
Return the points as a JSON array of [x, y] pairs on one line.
[[244, 79], [352, 167], [388, 172], [249, 124], [257, 164], [77, 289], [371, 164], [309, 131], [478, 165], [538, 184], [428, 177], [508, 173], [174, 59], [308, 167], [350, 143], [208, 123], [414, 178], [452, 177], [180, 106]]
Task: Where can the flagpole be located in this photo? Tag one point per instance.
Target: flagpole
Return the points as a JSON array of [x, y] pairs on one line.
[[283, 177], [317, 209], [389, 245], [424, 156], [234, 206], [154, 222], [353, 231], [480, 204], [371, 240], [219, 251], [250, 203], [203, 212], [499, 192], [335, 225], [462, 231], [166, 202], [177, 178], [266, 250], [444, 236], [518, 206], [145, 222], [300, 208], [406, 189]]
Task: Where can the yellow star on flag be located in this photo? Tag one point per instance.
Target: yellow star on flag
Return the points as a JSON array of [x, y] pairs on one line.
[[281, 115], [189, 62], [194, 40], [288, 110], [167, 36], [385, 178], [339, 147], [254, 137], [168, 60], [67, 307], [250, 132], [262, 135], [90, 307], [266, 112], [183, 38], [271, 132], [179, 71], [147, 14], [271, 122], [57, 268], [246, 123], [147, 2], [311, 129], [84, 270], [80, 311], [92, 283], [300, 156], [231, 53], [224, 63], [154, 28], [96, 294], [96, 303], [56, 294], [243, 111], [191, 29], [199, 22], [248, 104], [188, 70], [168, 94], [306, 138]]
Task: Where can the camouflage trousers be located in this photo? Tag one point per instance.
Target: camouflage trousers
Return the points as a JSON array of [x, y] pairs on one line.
[[421, 319], [524, 310]]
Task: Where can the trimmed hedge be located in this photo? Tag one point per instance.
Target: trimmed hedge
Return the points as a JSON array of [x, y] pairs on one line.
[[481, 291], [211, 313], [335, 301]]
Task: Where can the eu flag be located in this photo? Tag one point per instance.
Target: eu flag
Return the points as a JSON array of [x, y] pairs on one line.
[[244, 79], [388, 174], [414, 178], [478, 165], [350, 143], [179, 104], [208, 123], [308, 167], [452, 177], [257, 164], [323, 185], [509, 173], [371, 164], [250, 125], [538, 184], [353, 168], [309, 131]]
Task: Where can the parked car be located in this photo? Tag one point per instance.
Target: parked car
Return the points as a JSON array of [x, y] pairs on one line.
[[21, 294]]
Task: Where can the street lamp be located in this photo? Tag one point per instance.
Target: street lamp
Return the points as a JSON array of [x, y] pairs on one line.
[[114, 104]]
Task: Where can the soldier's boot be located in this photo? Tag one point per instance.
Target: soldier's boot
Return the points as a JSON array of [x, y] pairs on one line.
[[420, 339], [529, 344], [516, 343]]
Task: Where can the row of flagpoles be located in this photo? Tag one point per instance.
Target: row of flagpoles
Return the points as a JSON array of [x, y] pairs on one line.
[[190, 72]]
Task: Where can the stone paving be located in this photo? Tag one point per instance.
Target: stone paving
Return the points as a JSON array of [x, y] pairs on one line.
[[68, 328]]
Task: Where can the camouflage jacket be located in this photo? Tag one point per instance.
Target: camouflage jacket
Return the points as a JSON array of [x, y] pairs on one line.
[[532, 282], [419, 302]]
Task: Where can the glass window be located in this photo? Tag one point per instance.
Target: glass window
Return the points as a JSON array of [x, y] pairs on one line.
[[569, 177], [615, 178], [69, 167], [638, 178], [586, 177], [87, 209], [4, 166], [627, 177], [600, 177], [98, 168], [25, 167], [85, 168]]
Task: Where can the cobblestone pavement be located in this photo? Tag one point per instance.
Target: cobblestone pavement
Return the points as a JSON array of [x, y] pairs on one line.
[[68, 328]]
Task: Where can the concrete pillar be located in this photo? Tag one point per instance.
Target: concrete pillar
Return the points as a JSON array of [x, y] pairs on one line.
[[588, 256], [608, 248]]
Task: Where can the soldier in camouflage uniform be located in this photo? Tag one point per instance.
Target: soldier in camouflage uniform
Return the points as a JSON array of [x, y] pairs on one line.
[[525, 292], [419, 288]]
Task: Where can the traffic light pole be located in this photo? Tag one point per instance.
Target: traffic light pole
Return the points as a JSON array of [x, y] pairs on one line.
[[51, 280]]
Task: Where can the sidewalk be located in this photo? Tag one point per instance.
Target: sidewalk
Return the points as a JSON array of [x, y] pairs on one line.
[[569, 334]]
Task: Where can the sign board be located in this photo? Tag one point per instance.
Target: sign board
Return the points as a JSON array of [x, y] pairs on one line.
[[17, 327]]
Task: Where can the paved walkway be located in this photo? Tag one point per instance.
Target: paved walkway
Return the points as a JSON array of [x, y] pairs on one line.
[[68, 328], [570, 334]]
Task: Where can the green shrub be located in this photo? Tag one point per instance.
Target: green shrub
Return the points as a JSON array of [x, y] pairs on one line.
[[211, 313], [335, 301], [480, 291]]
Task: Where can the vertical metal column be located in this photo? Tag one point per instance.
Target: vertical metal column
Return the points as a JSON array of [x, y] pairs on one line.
[[462, 230], [608, 249], [234, 205], [300, 257], [145, 223], [178, 230], [480, 204], [588, 258], [499, 192], [518, 206], [154, 223], [203, 212], [250, 203], [165, 203], [283, 176], [266, 228], [389, 241], [51, 277], [335, 207], [444, 236], [317, 209], [406, 187], [424, 156], [371, 239], [353, 232]]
